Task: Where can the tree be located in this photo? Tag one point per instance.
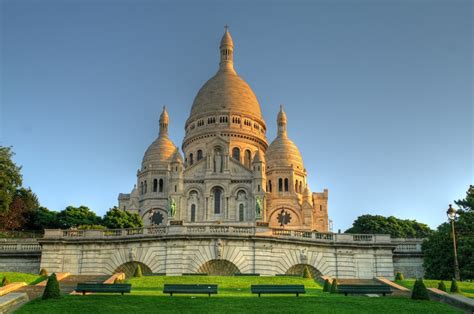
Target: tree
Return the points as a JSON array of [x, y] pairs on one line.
[[454, 286], [76, 216], [399, 276], [10, 178], [138, 271], [52, 291], [42, 218], [440, 266], [119, 219], [24, 203], [327, 286], [419, 291], [307, 273], [334, 286], [5, 281], [442, 286], [397, 228]]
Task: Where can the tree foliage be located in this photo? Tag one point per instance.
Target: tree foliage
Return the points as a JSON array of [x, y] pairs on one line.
[[419, 291], [454, 286], [441, 266], [76, 216], [138, 271], [118, 219], [397, 228], [442, 286], [333, 286], [327, 286], [10, 178], [52, 291], [42, 218], [24, 203]]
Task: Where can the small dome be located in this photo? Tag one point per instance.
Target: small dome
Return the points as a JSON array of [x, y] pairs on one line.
[[226, 39], [259, 157], [282, 152], [160, 152]]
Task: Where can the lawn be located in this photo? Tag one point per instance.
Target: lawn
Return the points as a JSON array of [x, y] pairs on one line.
[[30, 279], [467, 288], [234, 297]]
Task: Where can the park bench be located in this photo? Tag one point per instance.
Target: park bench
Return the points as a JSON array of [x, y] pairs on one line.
[[277, 289], [154, 274], [194, 274], [103, 288], [246, 274], [190, 289], [364, 289], [288, 275]]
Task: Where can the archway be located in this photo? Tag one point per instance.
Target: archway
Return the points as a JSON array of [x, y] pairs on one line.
[[298, 269], [130, 267], [219, 267]]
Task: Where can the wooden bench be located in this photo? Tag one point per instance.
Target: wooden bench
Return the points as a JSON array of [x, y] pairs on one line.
[[194, 274], [190, 289], [364, 289], [277, 289], [103, 288], [288, 275], [247, 274]]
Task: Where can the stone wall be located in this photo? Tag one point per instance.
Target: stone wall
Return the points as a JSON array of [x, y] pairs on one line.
[[20, 263], [408, 257]]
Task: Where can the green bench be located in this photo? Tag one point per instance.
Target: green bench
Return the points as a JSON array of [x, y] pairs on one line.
[[246, 274], [103, 288], [288, 275], [190, 289], [364, 289], [194, 274], [277, 289]]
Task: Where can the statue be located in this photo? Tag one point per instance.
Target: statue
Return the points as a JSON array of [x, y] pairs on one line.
[[172, 208], [303, 257], [217, 161], [218, 248], [258, 208], [132, 254]]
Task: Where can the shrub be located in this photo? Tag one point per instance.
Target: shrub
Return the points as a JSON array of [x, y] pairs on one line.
[[442, 286], [419, 291], [51, 291], [327, 286], [5, 281], [399, 276], [307, 273], [138, 272], [43, 272], [334, 286], [118, 280], [454, 286]]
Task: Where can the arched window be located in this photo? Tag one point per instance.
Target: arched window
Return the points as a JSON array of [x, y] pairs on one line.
[[301, 187], [248, 158], [191, 159], [145, 187], [193, 213], [217, 200], [175, 188], [286, 184], [161, 185], [280, 185], [236, 153], [199, 156], [241, 212], [270, 186], [142, 190], [296, 186], [155, 185]]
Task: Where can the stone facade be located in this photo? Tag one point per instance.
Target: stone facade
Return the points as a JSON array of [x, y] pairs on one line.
[[229, 172]]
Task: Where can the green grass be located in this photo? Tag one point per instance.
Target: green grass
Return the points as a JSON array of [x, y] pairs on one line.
[[30, 279], [467, 288], [234, 297]]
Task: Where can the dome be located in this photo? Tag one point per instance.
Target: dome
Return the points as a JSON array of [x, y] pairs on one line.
[[282, 152], [162, 150], [226, 91]]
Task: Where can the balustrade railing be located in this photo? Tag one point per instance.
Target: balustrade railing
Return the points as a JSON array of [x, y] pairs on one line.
[[14, 245]]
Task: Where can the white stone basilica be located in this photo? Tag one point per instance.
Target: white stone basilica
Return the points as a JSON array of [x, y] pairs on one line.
[[229, 175]]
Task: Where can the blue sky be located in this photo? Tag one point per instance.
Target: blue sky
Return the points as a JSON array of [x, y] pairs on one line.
[[378, 93]]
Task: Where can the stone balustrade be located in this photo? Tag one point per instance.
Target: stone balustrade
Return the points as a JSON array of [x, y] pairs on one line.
[[19, 245]]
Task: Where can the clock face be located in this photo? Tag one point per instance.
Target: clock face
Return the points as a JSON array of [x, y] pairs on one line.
[[284, 217], [157, 218]]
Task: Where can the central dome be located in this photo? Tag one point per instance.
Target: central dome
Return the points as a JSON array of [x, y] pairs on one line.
[[226, 91]]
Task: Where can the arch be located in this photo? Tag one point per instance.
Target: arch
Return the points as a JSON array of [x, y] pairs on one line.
[[161, 185], [270, 186], [218, 194], [236, 153], [286, 184], [248, 158], [218, 267], [280, 185], [145, 187], [129, 268], [155, 185], [241, 212], [301, 187], [298, 269], [295, 218], [199, 154], [191, 159], [155, 216], [193, 212]]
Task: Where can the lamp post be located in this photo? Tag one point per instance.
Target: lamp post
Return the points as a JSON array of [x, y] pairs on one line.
[[452, 215]]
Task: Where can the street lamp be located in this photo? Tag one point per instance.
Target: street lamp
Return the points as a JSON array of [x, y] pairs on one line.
[[452, 215]]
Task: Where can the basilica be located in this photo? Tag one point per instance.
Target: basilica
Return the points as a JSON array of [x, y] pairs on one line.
[[228, 173]]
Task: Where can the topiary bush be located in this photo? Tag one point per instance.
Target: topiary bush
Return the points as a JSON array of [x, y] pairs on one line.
[[5, 281], [399, 276], [118, 281], [442, 286], [454, 286], [334, 286], [327, 286], [52, 291], [138, 272], [307, 273], [43, 272], [419, 291]]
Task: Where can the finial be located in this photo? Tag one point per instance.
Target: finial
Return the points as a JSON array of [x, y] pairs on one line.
[[226, 28]]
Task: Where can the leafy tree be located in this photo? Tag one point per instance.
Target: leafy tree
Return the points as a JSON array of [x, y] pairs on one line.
[[327, 286], [440, 266], [334, 286], [307, 273], [10, 178], [454, 286], [52, 291], [91, 227], [76, 216], [119, 219], [399, 276], [442, 286], [42, 218], [23, 204], [419, 291], [397, 228], [138, 271]]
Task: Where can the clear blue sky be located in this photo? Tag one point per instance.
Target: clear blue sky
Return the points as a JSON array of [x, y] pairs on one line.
[[379, 94]]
